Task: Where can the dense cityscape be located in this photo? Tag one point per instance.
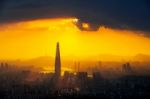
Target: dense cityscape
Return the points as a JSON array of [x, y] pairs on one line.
[[15, 84], [71, 49]]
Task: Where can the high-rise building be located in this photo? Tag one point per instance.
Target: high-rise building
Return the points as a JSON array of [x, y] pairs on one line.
[[57, 62], [127, 69]]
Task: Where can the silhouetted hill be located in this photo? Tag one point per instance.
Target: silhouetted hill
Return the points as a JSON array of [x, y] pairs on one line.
[[142, 57], [41, 61], [69, 61]]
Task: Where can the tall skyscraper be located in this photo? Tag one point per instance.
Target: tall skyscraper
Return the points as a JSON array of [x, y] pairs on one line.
[[57, 62]]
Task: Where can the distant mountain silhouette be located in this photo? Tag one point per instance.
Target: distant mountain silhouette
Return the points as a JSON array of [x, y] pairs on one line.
[[39, 61], [67, 61], [142, 57]]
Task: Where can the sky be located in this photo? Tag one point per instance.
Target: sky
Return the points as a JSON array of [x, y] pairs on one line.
[[31, 28]]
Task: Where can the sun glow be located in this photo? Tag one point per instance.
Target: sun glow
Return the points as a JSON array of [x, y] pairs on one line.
[[28, 39]]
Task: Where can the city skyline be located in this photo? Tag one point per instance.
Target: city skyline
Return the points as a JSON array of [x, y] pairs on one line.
[[70, 49]]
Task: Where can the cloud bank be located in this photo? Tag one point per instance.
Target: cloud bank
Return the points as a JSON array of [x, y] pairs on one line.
[[118, 14]]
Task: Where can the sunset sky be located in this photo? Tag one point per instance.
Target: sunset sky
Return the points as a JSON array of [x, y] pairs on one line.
[[29, 39], [29, 29]]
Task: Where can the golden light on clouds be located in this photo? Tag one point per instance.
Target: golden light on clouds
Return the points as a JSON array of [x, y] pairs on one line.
[[35, 38], [85, 25]]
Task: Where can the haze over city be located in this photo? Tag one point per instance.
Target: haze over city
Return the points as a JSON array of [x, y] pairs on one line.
[[74, 48]]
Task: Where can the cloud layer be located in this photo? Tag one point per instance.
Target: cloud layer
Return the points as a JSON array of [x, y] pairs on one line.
[[120, 14]]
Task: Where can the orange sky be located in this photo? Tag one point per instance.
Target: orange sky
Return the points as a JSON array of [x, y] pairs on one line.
[[29, 39]]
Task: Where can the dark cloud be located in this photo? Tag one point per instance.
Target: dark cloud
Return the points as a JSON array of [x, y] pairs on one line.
[[120, 14]]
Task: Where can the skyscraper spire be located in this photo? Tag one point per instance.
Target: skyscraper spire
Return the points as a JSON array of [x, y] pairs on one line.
[[57, 62]]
